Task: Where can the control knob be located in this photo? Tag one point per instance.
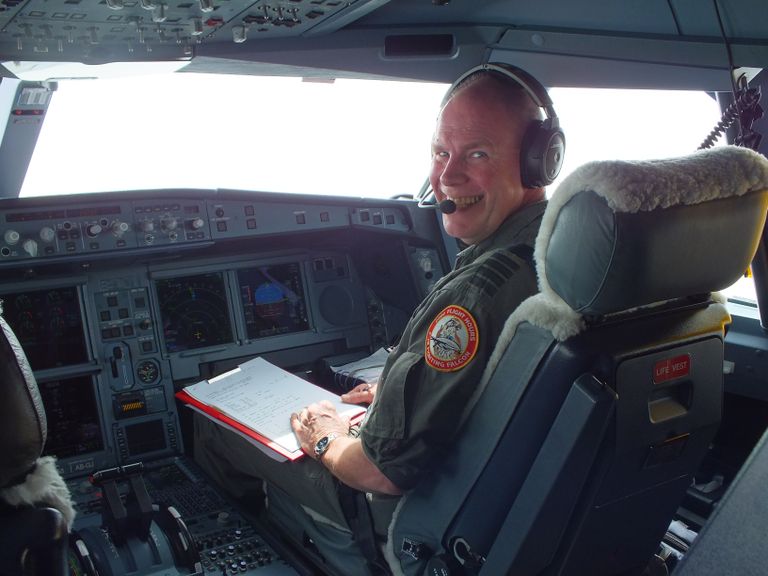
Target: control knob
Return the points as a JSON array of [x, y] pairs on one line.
[[223, 518], [47, 234], [169, 223], [119, 228], [196, 223], [11, 237], [30, 247], [93, 230]]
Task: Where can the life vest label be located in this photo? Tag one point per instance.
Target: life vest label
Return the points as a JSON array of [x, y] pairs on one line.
[[671, 368]]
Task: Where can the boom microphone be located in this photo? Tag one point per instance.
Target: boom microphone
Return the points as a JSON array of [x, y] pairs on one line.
[[447, 206]]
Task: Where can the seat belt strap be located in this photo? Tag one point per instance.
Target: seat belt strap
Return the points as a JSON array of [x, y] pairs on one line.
[[354, 505]]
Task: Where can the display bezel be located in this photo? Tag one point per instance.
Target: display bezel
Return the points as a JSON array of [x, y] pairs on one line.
[[150, 428], [49, 351], [85, 462], [160, 281], [238, 284]]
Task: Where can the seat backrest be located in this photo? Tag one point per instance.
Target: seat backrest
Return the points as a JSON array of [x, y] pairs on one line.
[[605, 389], [22, 416], [35, 505]]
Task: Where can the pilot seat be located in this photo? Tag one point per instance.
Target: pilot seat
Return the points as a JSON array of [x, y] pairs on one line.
[[36, 511], [605, 389]]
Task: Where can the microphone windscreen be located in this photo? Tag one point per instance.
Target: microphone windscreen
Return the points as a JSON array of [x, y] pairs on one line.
[[447, 206]]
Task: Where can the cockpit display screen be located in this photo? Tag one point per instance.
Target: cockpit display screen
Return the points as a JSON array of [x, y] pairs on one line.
[[49, 326], [72, 413], [194, 311], [273, 300]]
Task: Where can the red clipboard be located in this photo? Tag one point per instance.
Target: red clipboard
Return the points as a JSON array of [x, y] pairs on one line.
[[259, 440]]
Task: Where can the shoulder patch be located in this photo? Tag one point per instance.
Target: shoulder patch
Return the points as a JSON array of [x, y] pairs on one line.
[[452, 339]]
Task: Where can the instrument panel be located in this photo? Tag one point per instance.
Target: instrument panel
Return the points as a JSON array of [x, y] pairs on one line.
[[39, 231], [121, 299]]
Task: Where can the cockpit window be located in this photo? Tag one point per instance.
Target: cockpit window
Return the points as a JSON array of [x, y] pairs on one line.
[[603, 124], [744, 289], [343, 137]]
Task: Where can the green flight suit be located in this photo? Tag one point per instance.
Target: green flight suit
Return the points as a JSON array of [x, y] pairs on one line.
[[422, 394]]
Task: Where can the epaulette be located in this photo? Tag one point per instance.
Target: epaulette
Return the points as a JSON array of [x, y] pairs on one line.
[[499, 267]]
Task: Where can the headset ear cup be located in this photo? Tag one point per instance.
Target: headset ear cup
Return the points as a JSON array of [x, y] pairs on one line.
[[541, 153]]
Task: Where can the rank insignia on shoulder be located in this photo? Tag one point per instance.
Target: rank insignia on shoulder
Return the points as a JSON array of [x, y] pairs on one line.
[[452, 339]]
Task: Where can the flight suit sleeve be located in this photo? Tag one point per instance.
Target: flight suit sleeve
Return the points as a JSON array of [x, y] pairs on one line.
[[426, 388]]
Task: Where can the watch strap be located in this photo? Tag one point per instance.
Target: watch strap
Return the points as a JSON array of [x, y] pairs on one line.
[[321, 446]]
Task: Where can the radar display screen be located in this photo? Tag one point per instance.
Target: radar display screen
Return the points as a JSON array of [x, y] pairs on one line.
[[273, 300], [72, 413], [49, 326], [194, 311]]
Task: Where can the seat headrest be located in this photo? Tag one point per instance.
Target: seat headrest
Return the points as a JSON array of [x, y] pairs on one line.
[[23, 426], [619, 235]]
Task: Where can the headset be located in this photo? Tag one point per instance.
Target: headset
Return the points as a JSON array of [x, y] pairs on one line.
[[543, 146]]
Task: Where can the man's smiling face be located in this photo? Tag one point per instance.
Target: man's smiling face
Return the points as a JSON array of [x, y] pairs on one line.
[[476, 161]]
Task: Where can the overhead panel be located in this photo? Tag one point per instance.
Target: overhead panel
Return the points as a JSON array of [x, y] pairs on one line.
[[109, 30]]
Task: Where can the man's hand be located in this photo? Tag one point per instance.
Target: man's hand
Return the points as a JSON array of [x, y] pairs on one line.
[[360, 394], [344, 457], [315, 422]]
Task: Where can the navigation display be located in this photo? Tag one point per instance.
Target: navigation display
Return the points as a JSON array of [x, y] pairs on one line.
[[194, 311], [72, 413], [273, 300], [49, 326]]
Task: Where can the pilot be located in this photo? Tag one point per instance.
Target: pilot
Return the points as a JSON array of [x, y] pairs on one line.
[[429, 378]]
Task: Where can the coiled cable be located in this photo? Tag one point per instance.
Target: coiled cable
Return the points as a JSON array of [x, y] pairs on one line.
[[746, 106]]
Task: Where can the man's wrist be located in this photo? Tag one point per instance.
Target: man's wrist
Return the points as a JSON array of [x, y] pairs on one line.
[[322, 445]]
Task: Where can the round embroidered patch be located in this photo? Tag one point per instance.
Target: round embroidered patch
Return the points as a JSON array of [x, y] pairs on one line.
[[452, 339]]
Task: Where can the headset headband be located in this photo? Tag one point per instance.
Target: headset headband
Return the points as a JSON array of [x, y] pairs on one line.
[[533, 87]]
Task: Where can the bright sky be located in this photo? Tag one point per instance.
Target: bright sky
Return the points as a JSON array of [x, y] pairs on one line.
[[205, 131], [632, 124], [360, 138]]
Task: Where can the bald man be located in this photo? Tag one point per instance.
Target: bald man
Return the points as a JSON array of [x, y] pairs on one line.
[[429, 378]]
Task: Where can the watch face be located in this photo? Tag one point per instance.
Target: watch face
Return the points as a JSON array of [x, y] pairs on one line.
[[321, 445]]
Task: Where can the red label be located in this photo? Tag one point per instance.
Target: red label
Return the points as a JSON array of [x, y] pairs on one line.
[[671, 368]]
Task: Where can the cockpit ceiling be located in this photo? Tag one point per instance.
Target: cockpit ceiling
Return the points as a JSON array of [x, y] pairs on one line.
[[427, 39]]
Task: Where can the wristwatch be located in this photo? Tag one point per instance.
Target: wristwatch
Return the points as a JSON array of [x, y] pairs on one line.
[[322, 445]]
